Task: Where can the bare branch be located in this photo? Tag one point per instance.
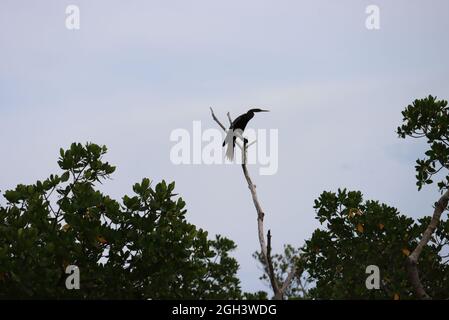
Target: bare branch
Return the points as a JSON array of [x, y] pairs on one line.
[[271, 275], [288, 280], [412, 261], [259, 210], [216, 120], [252, 142], [265, 250], [229, 118]]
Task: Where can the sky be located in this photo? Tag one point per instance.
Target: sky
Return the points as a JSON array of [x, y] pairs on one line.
[[137, 70]]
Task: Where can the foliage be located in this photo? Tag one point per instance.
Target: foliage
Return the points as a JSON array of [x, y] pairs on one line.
[[429, 118], [282, 265], [360, 233], [144, 248], [139, 249]]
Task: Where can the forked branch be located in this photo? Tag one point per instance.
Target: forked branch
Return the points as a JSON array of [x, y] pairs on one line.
[[278, 289]]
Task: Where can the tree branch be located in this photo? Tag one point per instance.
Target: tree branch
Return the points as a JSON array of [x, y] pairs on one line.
[[289, 279], [265, 249], [229, 118], [216, 120], [271, 275], [412, 260]]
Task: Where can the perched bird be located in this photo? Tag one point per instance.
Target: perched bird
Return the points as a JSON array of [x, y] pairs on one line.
[[236, 129]]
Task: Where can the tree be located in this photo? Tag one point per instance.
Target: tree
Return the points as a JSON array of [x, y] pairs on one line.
[[428, 118], [291, 259], [279, 284], [411, 255], [360, 233], [139, 249]]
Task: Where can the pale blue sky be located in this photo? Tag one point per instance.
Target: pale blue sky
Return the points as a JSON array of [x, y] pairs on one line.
[[139, 69]]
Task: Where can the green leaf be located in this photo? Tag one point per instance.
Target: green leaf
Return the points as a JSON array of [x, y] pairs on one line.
[[65, 176]]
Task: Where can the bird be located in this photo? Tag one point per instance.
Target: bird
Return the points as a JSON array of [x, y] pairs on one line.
[[236, 129]]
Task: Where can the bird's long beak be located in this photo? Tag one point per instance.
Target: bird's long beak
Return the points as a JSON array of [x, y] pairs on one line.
[[264, 110]]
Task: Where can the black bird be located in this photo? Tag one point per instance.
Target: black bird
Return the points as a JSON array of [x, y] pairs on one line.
[[236, 129]]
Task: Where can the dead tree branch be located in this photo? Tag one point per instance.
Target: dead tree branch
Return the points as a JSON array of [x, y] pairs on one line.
[[216, 120], [278, 289], [229, 118], [271, 275]]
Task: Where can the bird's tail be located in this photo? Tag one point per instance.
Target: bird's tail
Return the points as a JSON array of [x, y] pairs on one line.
[[230, 141], [230, 151]]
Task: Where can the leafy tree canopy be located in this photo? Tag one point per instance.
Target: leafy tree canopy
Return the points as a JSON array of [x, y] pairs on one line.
[[142, 247], [429, 118], [360, 233]]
